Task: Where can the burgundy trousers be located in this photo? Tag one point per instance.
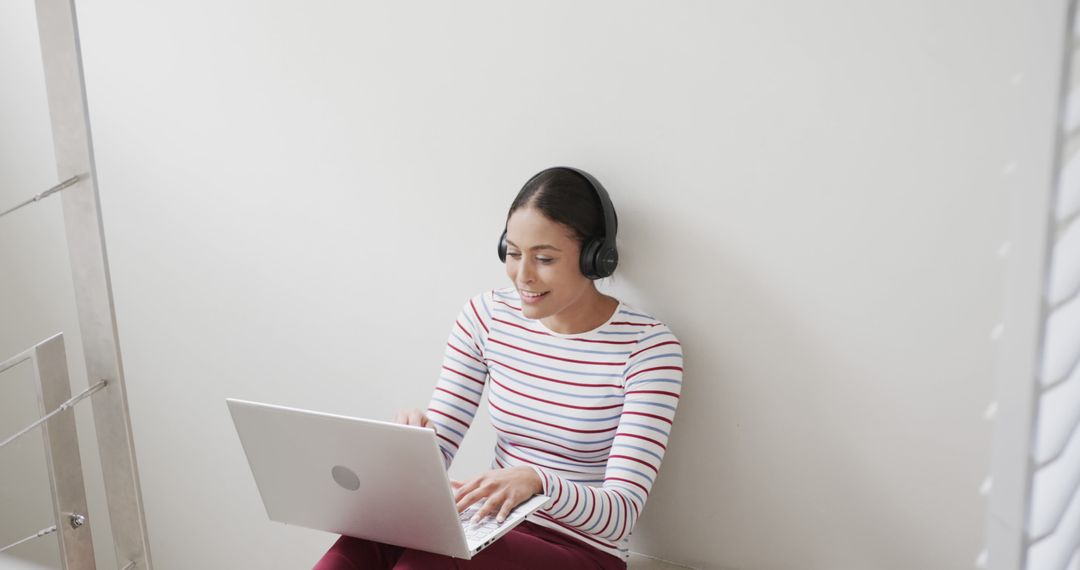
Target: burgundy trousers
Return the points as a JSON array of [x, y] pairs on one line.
[[526, 547]]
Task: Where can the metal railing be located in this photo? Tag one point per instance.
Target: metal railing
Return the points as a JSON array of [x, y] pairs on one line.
[[62, 457], [66, 94]]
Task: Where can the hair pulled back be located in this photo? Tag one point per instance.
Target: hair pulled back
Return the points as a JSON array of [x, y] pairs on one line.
[[563, 195]]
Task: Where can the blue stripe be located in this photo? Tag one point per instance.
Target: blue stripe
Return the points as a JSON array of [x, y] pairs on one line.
[[603, 504], [644, 360], [641, 449], [478, 393], [545, 459], [625, 312], [466, 365], [554, 369], [445, 427], [458, 408], [634, 471], [466, 344], [643, 426], [483, 303], [650, 380], [552, 414], [627, 490], [547, 435], [574, 516], [654, 335], [510, 375], [564, 348], [654, 404], [506, 311], [619, 332]]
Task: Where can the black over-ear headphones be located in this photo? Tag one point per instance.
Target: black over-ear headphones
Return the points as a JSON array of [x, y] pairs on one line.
[[598, 254]]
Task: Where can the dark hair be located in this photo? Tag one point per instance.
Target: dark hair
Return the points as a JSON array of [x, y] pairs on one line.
[[563, 195]]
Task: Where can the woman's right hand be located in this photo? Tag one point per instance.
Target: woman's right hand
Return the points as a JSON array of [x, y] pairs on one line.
[[413, 417]]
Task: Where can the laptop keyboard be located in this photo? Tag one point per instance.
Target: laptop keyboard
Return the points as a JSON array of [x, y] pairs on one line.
[[480, 530]]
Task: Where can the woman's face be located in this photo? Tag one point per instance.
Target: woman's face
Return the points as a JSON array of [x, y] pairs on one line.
[[542, 260]]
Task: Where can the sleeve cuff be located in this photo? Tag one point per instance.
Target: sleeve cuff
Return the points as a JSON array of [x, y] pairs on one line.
[[543, 479]]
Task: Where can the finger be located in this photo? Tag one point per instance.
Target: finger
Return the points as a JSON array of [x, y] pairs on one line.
[[507, 506], [468, 499], [414, 418], [399, 418], [494, 503], [455, 484], [485, 509], [466, 488]]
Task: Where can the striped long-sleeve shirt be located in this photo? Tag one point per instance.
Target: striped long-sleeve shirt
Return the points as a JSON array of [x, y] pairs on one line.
[[590, 412]]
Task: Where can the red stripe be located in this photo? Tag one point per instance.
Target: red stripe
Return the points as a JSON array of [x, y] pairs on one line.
[[553, 443], [625, 519], [478, 319], [577, 497], [533, 352], [592, 508], [480, 382], [611, 508], [534, 331], [441, 389], [646, 463], [604, 341], [465, 353], [447, 440], [582, 461], [508, 389], [606, 479], [508, 305], [550, 379], [634, 324], [653, 416], [661, 392], [574, 530], [498, 320], [558, 480], [633, 354], [679, 368], [545, 423], [533, 462], [441, 413], [649, 439], [467, 333]]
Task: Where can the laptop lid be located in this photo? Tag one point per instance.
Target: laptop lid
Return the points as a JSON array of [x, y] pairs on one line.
[[365, 478]]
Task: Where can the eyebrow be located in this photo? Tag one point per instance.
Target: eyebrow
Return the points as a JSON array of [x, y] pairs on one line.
[[535, 247]]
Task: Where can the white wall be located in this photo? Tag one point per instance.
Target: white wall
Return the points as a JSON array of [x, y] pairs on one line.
[[299, 196]]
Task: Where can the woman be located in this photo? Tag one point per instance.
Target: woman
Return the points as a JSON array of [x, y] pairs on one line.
[[582, 390]]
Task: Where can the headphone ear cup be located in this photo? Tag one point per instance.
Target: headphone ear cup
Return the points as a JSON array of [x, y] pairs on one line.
[[502, 247], [588, 258], [607, 259]]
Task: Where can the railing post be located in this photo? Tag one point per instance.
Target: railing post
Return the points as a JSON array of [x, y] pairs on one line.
[[62, 456], [58, 31]]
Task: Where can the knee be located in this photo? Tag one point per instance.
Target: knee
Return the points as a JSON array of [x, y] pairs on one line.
[[345, 554]]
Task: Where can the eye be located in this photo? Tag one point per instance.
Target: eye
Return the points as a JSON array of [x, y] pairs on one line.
[[545, 260], [514, 254]]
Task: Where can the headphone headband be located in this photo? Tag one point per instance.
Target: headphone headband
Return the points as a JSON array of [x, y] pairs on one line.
[[599, 256]]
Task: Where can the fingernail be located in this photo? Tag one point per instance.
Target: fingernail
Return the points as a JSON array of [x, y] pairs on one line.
[[500, 519]]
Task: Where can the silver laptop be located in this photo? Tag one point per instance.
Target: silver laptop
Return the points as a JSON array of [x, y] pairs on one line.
[[376, 480]]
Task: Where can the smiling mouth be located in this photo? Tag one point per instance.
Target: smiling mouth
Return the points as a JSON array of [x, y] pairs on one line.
[[530, 295]]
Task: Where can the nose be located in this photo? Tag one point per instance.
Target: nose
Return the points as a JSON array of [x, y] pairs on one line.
[[525, 272]]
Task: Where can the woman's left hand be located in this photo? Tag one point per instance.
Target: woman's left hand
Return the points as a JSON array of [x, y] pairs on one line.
[[504, 489]]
